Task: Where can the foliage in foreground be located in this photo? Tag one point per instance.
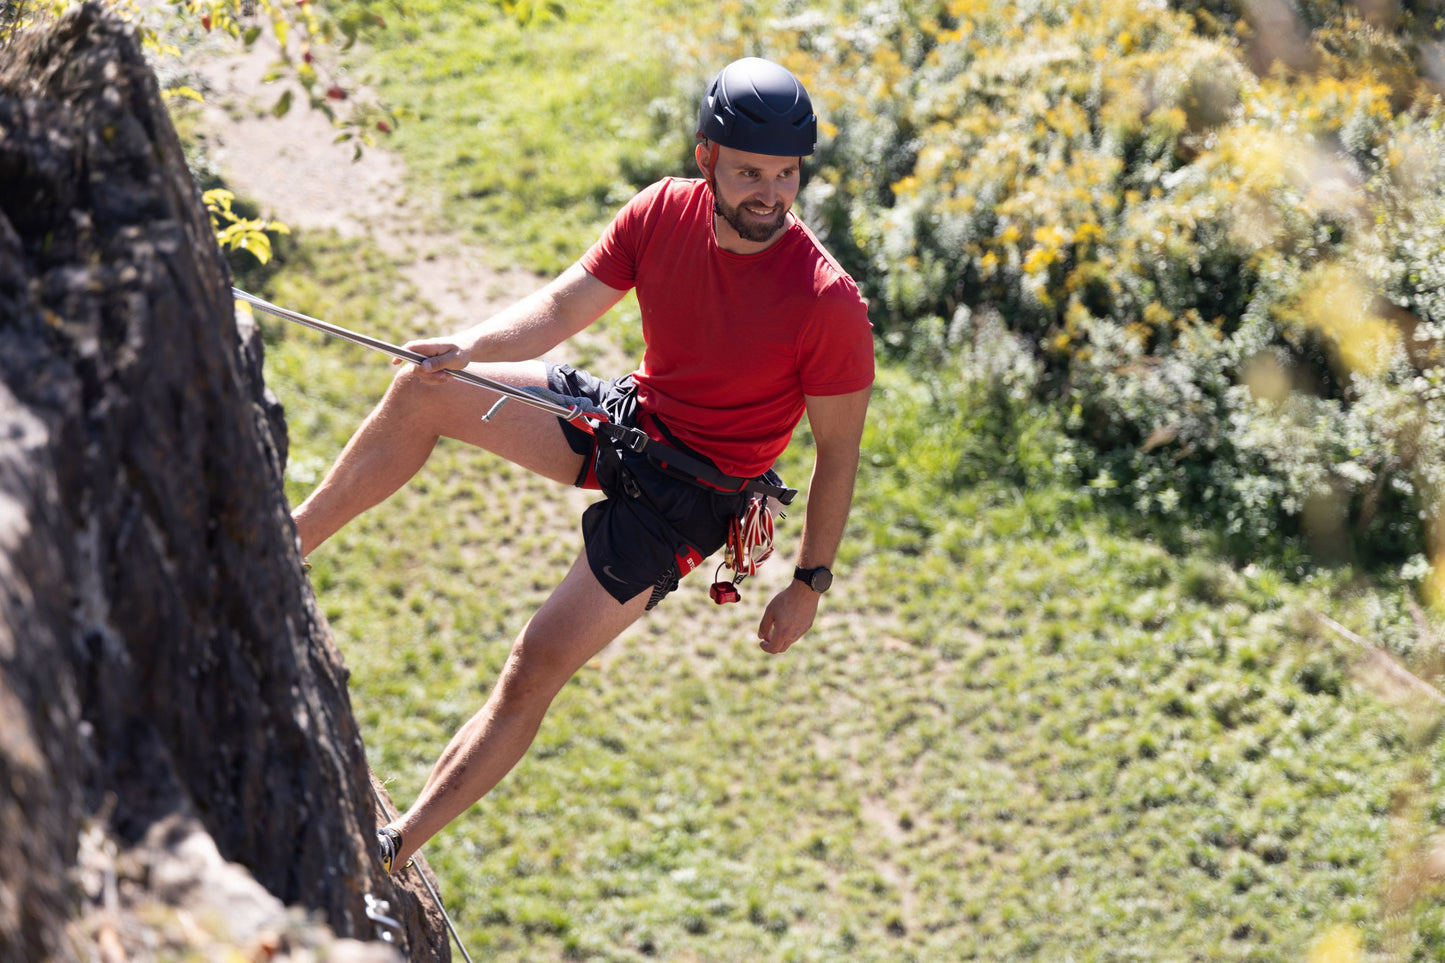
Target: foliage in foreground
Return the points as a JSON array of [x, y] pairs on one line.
[[305, 42]]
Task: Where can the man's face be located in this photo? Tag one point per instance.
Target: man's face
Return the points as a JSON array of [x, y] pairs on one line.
[[754, 191]]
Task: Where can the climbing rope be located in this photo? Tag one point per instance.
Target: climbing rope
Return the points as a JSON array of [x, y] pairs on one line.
[[435, 896], [573, 413]]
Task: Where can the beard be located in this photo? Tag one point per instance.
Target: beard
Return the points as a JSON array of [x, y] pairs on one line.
[[749, 228]]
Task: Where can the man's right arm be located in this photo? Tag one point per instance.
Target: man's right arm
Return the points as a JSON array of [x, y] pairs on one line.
[[529, 328]]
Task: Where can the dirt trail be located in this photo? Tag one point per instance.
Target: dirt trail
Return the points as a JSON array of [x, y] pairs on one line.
[[294, 170]]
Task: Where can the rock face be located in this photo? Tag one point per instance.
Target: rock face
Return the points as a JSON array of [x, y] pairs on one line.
[[164, 671]]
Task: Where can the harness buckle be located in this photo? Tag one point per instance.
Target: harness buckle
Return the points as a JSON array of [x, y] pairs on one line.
[[634, 439]]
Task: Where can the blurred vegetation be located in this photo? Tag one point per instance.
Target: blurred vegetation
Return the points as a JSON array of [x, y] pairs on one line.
[[1154, 459], [1217, 255]]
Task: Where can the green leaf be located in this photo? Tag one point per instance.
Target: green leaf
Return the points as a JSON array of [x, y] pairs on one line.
[[258, 244], [189, 93]]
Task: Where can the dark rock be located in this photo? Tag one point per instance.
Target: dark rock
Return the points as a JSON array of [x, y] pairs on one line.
[[161, 655]]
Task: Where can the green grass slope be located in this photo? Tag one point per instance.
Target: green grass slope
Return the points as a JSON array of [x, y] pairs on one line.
[[1024, 729], [1027, 735]]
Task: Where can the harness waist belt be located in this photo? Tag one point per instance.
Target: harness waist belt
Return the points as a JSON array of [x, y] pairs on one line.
[[685, 465]]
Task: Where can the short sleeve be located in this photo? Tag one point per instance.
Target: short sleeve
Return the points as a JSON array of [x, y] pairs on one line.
[[837, 356], [613, 259]]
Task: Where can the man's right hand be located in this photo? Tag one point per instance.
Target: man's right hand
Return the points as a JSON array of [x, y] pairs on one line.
[[442, 355]]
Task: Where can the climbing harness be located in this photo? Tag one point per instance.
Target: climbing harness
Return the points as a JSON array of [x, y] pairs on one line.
[[435, 896]]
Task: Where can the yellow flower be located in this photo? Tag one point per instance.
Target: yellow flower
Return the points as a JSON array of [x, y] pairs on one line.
[[1156, 315], [1337, 303], [1048, 236], [907, 185], [1341, 944], [1039, 259]]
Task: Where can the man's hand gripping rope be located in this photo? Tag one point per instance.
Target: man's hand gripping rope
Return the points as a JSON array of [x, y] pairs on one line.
[[577, 411]]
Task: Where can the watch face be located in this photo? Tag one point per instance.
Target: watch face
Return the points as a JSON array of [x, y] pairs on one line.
[[821, 580]]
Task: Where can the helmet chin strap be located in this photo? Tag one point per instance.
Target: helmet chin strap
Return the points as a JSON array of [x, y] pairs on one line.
[[709, 175]]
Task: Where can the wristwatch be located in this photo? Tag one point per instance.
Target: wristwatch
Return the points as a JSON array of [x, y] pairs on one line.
[[818, 579]]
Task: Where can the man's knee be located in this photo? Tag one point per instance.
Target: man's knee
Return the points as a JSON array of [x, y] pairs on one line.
[[534, 672], [407, 388], [417, 395]]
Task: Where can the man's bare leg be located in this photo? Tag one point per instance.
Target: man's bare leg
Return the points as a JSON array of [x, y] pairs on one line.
[[398, 436], [576, 622]]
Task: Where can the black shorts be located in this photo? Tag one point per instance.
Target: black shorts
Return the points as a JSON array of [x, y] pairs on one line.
[[653, 528]]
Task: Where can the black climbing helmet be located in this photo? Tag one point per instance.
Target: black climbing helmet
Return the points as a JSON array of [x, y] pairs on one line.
[[758, 106]]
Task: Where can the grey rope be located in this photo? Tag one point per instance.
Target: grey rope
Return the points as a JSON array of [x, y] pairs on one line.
[[435, 896], [376, 344]]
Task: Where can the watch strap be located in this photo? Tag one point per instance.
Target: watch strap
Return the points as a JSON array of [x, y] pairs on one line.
[[812, 577]]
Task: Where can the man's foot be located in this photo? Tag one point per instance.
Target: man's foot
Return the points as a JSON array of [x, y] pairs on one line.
[[388, 844]]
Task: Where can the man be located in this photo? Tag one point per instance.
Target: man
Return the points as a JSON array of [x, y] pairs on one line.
[[748, 324]]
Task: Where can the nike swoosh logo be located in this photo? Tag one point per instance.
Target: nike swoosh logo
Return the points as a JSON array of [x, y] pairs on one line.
[[607, 570]]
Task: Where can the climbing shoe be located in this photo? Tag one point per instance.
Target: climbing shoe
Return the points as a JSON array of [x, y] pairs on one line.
[[388, 844]]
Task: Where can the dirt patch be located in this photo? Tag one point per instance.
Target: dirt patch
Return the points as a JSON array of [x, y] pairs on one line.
[[295, 171]]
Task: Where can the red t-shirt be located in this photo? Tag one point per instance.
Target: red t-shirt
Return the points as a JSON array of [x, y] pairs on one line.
[[734, 341]]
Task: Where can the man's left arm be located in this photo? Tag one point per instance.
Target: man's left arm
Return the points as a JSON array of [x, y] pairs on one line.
[[837, 424]]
